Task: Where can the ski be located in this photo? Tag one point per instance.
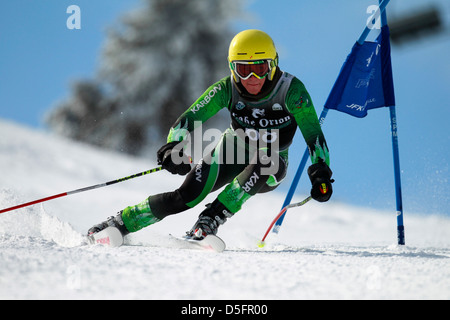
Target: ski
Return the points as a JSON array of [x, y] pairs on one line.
[[110, 237], [209, 243]]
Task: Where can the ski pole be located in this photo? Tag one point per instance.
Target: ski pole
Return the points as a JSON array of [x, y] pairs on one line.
[[261, 243], [82, 189]]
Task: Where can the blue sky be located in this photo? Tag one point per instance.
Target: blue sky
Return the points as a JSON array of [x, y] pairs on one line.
[[39, 57]]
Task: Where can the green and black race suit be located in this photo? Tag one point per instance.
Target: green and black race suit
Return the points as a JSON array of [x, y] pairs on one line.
[[285, 108], [244, 167]]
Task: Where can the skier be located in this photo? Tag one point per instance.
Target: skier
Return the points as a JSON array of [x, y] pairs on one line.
[[266, 105]]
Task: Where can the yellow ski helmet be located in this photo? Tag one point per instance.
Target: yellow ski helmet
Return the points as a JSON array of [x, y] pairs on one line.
[[252, 46]]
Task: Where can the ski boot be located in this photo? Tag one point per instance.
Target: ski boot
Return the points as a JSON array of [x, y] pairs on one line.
[[116, 222], [209, 221]]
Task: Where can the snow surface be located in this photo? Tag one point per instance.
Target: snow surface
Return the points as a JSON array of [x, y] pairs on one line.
[[323, 251]]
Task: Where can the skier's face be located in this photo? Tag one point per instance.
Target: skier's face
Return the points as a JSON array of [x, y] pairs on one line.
[[253, 85]]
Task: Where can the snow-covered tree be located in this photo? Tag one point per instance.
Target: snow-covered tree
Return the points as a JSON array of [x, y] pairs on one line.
[[154, 64]]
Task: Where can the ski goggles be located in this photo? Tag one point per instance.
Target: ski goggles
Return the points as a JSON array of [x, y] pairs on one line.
[[245, 69]]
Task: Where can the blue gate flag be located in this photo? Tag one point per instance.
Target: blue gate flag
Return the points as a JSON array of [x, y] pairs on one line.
[[365, 81]]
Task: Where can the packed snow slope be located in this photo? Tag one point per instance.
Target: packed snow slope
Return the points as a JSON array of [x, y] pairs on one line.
[[323, 251]]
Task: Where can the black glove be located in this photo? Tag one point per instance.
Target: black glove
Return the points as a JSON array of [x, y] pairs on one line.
[[164, 157], [320, 176]]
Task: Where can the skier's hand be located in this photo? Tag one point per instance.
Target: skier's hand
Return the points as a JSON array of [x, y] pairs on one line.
[[320, 176], [173, 159]]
